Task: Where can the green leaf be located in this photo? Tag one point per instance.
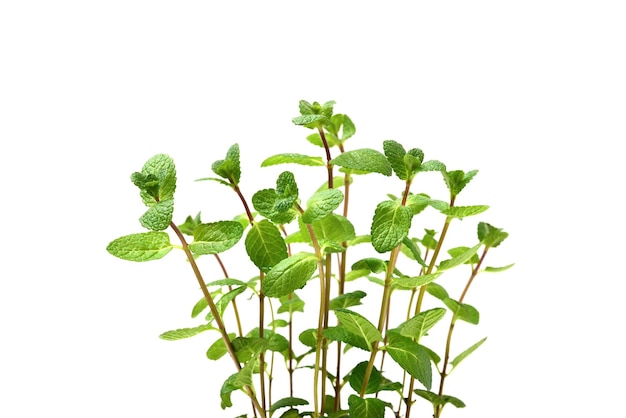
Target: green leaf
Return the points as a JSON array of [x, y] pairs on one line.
[[357, 375], [437, 291], [419, 325], [498, 269], [286, 191], [289, 274], [415, 282], [490, 236], [333, 228], [390, 225], [459, 251], [435, 399], [433, 165], [364, 159], [316, 139], [157, 180], [457, 180], [237, 381], [145, 246], [411, 356], [218, 349], [216, 237], [159, 216], [395, 153], [190, 224], [265, 245], [248, 348], [459, 259], [347, 126], [291, 158], [200, 306], [322, 204], [411, 250], [308, 337], [347, 299], [366, 407], [374, 265], [282, 403], [291, 303], [358, 325], [312, 120], [340, 333], [181, 333], [223, 302], [464, 211], [463, 311], [230, 167], [458, 359]]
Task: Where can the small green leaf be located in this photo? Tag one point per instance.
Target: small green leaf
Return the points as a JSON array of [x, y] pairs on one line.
[[458, 251], [419, 325], [357, 375], [347, 299], [464, 211], [395, 153], [433, 165], [313, 120], [459, 259], [291, 303], [458, 359], [282, 403], [218, 349], [415, 282], [248, 348], [216, 237], [435, 399], [374, 265], [457, 180], [200, 306], [190, 224], [411, 250], [159, 216], [289, 274], [181, 333], [358, 325], [265, 245], [322, 204], [340, 333], [308, 337], [490, 236], [229, 168], [366, 407], [364, 159], [411, 356], [145, 246], [463, 311], [498, 269], [157, 180], [223, 302], [291, 158], [333, 228], [390, 225], [237, 381], [437, 291]]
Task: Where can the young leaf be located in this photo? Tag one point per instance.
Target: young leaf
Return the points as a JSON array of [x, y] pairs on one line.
[[144, 246], [490, 236], [334, 228], [395, 153], [366, 407], [159, 216], [411, 250], [405, 282], [498, 269], [181, 333], [437, 291], [289, 274], [291, 303], [282, 403], [291, 158], [218, 349], [358, 325], [435, 399], [464, 211], [286, 191], [308, 337], [322, 204], [419, 325], [190, 224], [459, 259], [347, 299], [229, 168], [340, 333], [433, 165], [157, 180], [457, 180], [222, 304], [237, 381], [458, 359], [390, 225], [265, 245], [216, 237], [374, 265], [365, 159], [411, 356], [463, 311]]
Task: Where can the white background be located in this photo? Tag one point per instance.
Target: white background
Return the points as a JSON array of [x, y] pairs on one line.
[[530, 93]]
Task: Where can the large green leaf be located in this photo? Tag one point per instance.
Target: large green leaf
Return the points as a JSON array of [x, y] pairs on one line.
[[365, 159], [215, 237], [159, 216], [289, 274], [411, 356], [157, 180], [357, 375], [395, 153], [322, 204], [366, 407], [145, 246], [419, 325], [358, 325], [390, 225], [265, 245]]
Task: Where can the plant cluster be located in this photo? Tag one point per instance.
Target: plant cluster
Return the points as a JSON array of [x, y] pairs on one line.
[[362, 363]]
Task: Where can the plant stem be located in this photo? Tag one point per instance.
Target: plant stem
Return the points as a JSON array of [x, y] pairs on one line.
[[230, 289], [216, 315], [329, 166], [446, 357]]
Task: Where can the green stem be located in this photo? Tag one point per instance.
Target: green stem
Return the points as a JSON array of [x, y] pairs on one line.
[[230, 289], [216, 315]]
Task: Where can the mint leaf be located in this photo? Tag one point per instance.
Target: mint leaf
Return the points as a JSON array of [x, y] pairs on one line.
[[159, 216], [457, 180], [366, 407], [463, 311], [291, 158], [419, 325], [145, 246], [490, 236], [190, 224], [435, 399], [458, 359], [322, 204], [218, 349], [347, 299], [289, 274], [364, 159], [411, 356], [395, 153], [464, 211], [358, 325], [216, 237], [265, 245], [390, 225], [282, 403], [459, 259], [157, 180], [230, 167], [358, 374], [183, 333], [407, 282]]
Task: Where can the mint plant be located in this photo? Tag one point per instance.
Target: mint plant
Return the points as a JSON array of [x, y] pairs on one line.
[[369, 354]]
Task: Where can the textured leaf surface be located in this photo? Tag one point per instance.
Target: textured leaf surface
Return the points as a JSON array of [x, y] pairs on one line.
[[464, 211], [366, 407], [358, 325], [159, 216], [289, 274], [347, 299], [230, 167], [161, 169], [417, 281], [265, 245], [490, 235], [411, 356], [182, 333], [364, 159], [216, 237], [322, 204], [459, 259], [357, 375], [390, 225], [395, 152], [419, 325], [291, 158], [145, 246], [340, 333]]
